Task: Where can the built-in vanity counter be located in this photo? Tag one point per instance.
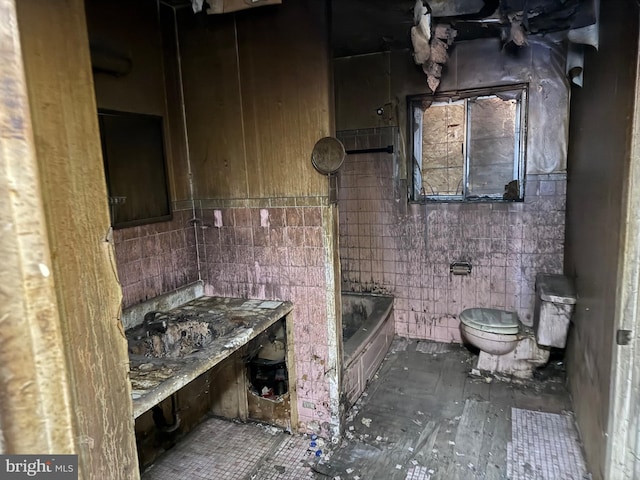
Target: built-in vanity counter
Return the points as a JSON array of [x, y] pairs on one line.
[[170, 349]]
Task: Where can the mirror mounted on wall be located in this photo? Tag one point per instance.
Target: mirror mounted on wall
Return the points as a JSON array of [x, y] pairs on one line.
[[135, 167], [327, 157]]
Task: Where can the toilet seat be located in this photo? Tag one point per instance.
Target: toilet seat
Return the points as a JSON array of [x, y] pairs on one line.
[[491, 320]]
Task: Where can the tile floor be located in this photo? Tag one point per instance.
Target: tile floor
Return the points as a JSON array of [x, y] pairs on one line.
[[422, 418]]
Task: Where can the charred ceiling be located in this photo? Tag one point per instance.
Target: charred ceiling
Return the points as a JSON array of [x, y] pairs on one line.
[[368, 26]]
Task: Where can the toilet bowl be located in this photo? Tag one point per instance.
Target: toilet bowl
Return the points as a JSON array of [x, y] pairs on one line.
[[507, 345], [492, 331]]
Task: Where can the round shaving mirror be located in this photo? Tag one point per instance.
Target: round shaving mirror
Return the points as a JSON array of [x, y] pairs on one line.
[[328, 155]]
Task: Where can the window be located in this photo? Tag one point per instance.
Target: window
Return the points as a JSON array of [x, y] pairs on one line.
[[133, 152], [469, 146]]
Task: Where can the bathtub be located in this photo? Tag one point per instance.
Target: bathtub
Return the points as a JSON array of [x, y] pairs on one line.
[[367, 332]]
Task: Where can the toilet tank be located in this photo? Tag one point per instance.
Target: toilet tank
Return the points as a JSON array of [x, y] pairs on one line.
[[555, 301]]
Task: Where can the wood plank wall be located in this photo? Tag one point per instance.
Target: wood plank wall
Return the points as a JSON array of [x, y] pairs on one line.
[[58, 72], [258, 96], [212, 100], [365, 82], [35, 404], [145, 33], [600, 137], [177, 158]]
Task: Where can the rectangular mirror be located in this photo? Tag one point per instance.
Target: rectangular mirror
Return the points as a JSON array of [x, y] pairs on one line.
[[135, 167]]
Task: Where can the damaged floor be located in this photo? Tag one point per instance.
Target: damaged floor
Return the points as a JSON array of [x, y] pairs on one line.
[[422, 418]]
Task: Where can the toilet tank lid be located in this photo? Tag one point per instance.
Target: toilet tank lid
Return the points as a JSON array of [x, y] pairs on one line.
[[555, 289], [491, 320]]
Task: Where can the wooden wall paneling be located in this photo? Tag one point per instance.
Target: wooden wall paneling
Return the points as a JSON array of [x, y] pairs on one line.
[[35, 401], [284, 73], [144, 35], [229, 387], [124, 29], [599, 158], [362, 85], [58, 72], [213, 105], [275, 412], [177, 158], [292, 373]]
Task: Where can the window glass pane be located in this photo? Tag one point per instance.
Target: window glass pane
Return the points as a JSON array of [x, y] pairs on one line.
[[443, 149], [492, 145]]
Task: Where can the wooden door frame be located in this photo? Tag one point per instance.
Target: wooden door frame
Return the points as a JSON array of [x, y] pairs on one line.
[[35, 404], [622, 456]]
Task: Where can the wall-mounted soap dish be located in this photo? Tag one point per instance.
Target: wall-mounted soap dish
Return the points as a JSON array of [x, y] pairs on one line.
[[460, 268]]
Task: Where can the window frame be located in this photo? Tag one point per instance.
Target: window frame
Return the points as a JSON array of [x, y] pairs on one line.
[[414, 162]]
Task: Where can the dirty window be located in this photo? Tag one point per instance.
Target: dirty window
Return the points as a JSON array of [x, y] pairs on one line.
[[469, 148]]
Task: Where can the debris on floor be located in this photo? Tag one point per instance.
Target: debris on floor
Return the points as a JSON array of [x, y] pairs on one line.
[[432, 347], [399, 344], [423, 418]]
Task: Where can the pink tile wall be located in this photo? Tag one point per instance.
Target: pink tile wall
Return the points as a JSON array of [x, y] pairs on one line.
[[155, 259], [386, 247], [277, 253]]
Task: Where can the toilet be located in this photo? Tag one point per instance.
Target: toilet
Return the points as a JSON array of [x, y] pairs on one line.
[[509, 347]]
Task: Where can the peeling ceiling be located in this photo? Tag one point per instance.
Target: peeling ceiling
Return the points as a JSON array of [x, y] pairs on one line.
[[368, 26]]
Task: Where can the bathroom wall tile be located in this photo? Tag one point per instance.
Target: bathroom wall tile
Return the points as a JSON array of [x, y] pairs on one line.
[[496, 238], [512, 301], [468, 296], [277, 217], [151, 284], [295, 236], [131, 250], [440, 300], [401, 328], [150, 266], [132, 272], [227, 235], [190, 235], [243, 236], [297, 256], [442, 334], [241, 216], [454, 295], [499, 260], [177, 239], [164, 243], [498, 279], [313, 256], [454, 335], [227, 217], [453, 322], [282, 258], [312, 217], [129, 233], [276, 237], [261, 236], [294, 217], [210, 235], [498, 300]]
